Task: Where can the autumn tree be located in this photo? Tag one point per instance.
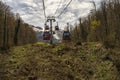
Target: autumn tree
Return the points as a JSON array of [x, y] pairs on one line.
[[13, 30]]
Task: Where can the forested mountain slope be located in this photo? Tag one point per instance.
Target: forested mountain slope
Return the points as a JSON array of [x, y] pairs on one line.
[[13, 30], [102, 24], [93, 53]]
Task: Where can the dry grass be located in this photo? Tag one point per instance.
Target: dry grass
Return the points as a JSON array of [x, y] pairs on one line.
[[42, 61]]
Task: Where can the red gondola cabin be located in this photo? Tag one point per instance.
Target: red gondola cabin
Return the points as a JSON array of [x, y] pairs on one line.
[[66, 35], [46, 36]]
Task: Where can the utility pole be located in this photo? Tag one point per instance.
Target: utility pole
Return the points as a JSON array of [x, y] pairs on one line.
[[51, 20]]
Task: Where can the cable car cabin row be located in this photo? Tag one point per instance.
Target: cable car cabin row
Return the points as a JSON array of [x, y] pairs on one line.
[[47, 27], [66, 35], [46, 36]]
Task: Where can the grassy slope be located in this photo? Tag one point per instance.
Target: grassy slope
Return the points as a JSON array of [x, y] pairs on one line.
[[43, 61]]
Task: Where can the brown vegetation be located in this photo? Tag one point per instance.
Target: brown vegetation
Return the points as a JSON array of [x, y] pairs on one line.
[[101, 25], [42, 61]]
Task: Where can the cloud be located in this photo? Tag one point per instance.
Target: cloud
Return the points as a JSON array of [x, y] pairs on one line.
[[32, 10]]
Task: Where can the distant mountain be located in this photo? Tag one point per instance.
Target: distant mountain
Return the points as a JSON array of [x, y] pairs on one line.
[[39, 33], [39, 28], [57, 37]]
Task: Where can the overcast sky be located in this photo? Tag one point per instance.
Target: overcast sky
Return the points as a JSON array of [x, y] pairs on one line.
[[31, 11]]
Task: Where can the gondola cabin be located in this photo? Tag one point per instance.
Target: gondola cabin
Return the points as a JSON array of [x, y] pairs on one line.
[[66, 35], [46, 27], [53, 32], [46, 36], [56, 28]]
